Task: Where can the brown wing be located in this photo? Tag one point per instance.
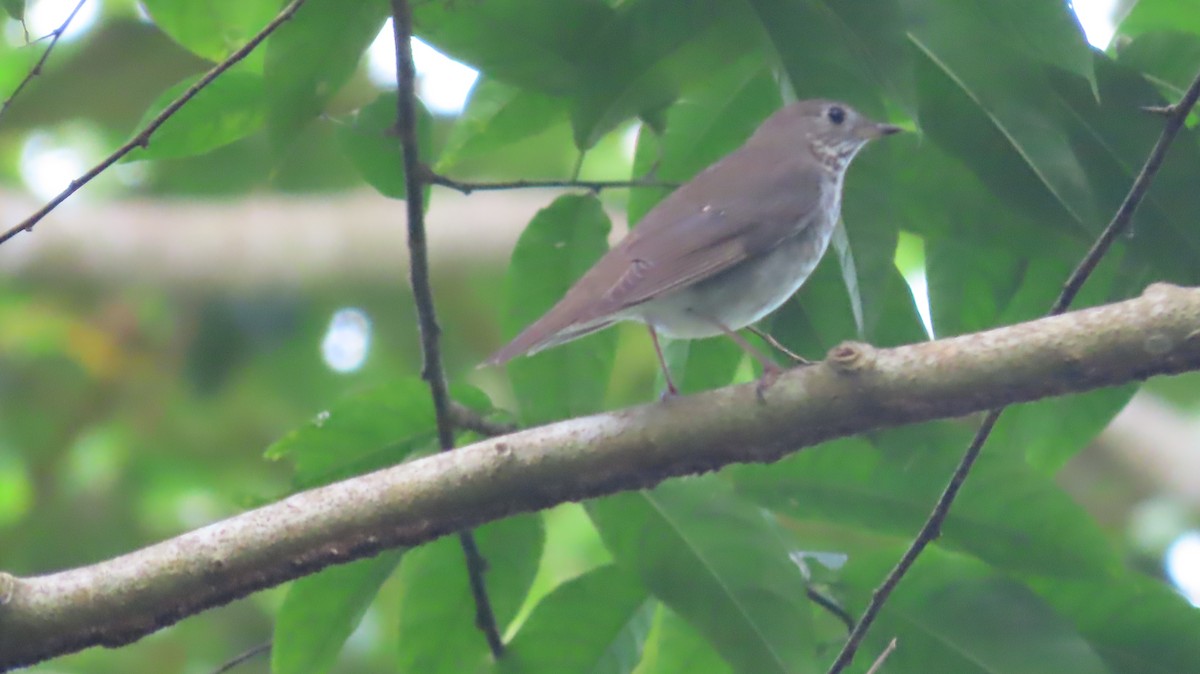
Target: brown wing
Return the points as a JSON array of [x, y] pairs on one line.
[[730, 212], [743, 205]]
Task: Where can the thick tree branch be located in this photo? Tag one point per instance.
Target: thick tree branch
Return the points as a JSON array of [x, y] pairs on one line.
[[858, 388], [931, 529], [431, 371], [142, 139]]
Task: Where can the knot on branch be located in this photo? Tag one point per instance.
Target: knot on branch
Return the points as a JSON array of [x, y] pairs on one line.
[[1158, 344], [1161, 290], [851, 357]]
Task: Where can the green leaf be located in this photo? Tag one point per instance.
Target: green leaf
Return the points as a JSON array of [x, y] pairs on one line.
[[650, 53], [968, 287], [1113, 139], [594, 624], [1138, 625], [16, 489], [1052, 431], [1167, 57], [674, 647], [1064, 187], [311, 56], [978, 96], [213, 29], [322, 610], [1007, 514], [848, 50], [974, 287], [839, 243], [561, 242], [368, 136], [496, 116], [888, 313], [367, 430], [534, 44], [979, 251], [1150, 15], [15, 9], [953, 614], [1047, 32], [701, 364], [720, 564], [437, 633], [229, 108], [819, 316], [708, 124]]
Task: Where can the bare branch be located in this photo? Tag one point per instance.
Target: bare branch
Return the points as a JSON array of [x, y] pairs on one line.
[[1176, 115], [857, 389], [882, 657], [933, 525], [249, 653], [431, 371], [142, 139], [467, 187], [55, 35], [468, 419], [835, 609]]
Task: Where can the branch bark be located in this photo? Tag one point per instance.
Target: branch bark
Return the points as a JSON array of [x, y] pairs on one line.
[[858, 388]]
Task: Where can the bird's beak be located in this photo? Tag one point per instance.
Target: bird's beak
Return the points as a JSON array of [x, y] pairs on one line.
[[873, 130]]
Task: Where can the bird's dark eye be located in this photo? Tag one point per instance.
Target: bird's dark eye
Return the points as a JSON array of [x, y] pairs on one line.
[[836, 114]]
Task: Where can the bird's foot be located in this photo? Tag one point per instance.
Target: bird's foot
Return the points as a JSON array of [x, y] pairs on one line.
[[769, 376]]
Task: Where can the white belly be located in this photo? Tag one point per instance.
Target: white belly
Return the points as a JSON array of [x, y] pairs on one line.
[[742, 295]]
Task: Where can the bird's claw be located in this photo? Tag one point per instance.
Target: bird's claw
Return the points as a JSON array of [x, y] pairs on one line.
[[766, 381]]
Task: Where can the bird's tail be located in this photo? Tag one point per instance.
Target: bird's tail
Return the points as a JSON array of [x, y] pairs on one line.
[[544, 334]]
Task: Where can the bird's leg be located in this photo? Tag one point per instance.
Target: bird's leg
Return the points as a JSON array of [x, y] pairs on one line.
[[766, 337], [771, 371], [672, 390]]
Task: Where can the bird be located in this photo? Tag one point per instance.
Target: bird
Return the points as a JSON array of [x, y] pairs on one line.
[[726, 248]]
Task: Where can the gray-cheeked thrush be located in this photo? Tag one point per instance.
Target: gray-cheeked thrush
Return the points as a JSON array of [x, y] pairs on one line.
[[726, 248]]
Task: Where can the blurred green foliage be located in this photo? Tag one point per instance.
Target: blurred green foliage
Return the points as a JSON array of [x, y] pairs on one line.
[[131, 413]]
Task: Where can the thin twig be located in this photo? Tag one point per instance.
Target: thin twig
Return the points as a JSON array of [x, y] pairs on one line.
[[1176, 116], [431, 371], [467, 187], [468, 419], [928, 533], [142, 139], [236, 660], [882, 657], [933, 525], [831, 606], [55, 35]]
